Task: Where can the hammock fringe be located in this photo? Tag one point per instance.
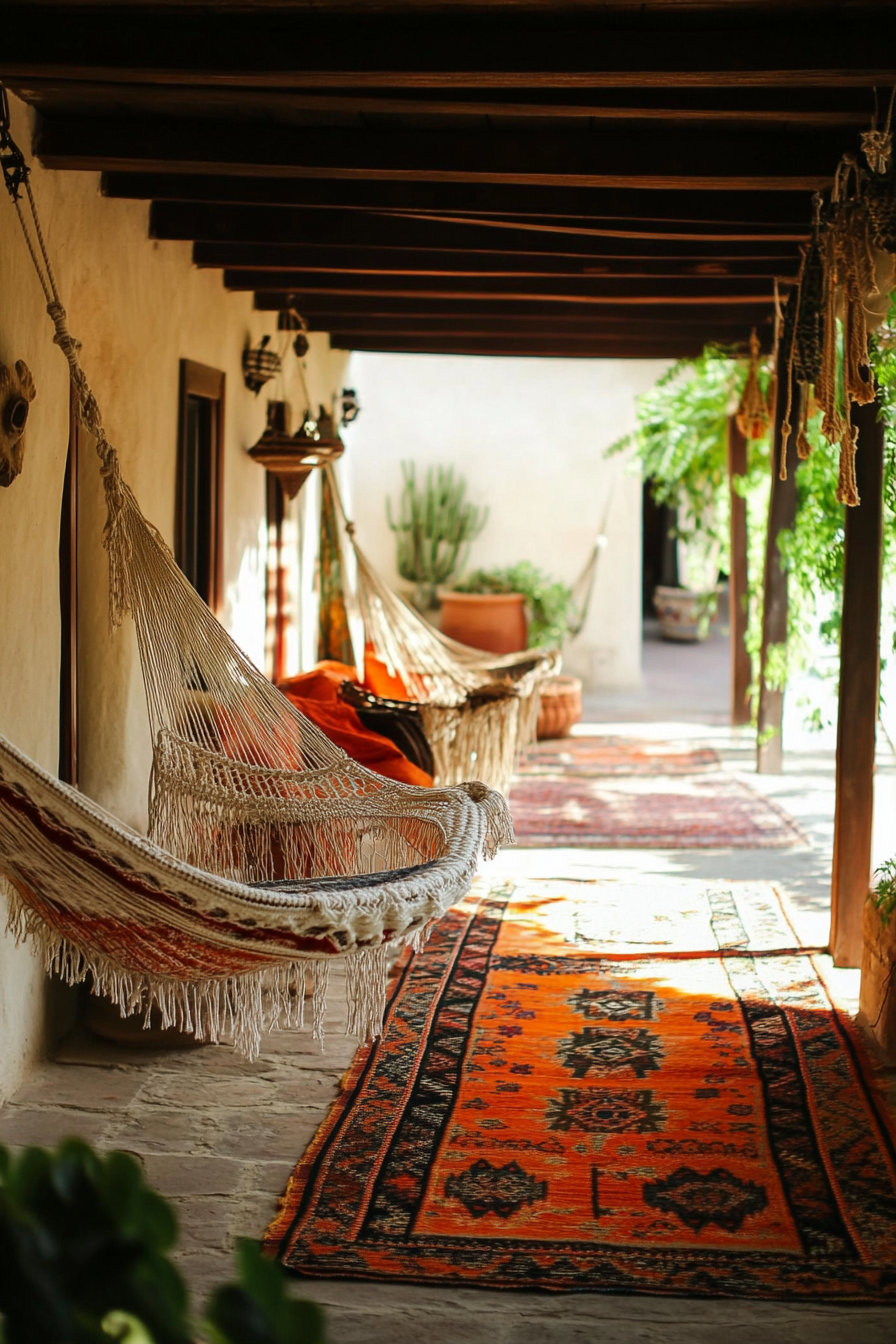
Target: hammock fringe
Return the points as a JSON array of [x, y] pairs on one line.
[[238, 1008]]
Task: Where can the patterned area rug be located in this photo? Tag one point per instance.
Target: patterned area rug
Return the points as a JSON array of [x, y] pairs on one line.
[[548, 1110], [684, 813], [617, 756]]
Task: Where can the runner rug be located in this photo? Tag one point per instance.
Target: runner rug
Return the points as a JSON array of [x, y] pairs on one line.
[[617, 756], [685, 813], [554, 1106]]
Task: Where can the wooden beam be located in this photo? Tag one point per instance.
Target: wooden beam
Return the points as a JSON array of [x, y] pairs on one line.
[[859, 693], [455, 49], [271, 224], [654, 160], [779, 108], [312, 264], [712, 212], [711, 315], [741, 672], [545, 346], [781, 515], [561, 289]]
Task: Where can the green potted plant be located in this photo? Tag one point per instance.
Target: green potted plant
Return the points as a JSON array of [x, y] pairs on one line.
[[877, 992], [505, 609], [434, 530], [681, 445]]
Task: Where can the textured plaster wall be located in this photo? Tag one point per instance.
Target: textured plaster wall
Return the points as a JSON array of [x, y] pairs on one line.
[[138, 307], [529, 436]]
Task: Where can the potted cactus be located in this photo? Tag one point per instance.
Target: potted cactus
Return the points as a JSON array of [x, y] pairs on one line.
[[434, 530]]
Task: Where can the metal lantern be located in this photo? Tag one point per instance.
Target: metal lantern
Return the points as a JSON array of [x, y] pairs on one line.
[[293, 457], [260, 365]]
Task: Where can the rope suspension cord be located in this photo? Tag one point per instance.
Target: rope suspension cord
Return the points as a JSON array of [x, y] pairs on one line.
[[17, 177]]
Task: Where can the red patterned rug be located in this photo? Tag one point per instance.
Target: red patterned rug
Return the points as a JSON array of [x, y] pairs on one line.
[[688, 813], [617, 756], [546, 1111]]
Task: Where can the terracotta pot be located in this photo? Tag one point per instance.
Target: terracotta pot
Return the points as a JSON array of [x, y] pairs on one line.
[[559, 706], [877, 990], [495, 622], [105, 1020], [684, 615]]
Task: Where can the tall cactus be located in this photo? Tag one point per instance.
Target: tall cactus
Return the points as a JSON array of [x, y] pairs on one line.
[[434, 530]]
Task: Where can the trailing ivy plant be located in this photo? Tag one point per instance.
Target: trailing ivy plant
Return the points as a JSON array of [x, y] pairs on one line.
[[84, 1259]]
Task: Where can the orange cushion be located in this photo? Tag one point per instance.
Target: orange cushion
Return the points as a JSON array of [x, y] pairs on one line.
[[321, 683], [339, 722], [379, 680]]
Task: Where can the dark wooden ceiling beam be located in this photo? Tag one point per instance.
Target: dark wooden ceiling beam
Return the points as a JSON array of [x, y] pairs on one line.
[[599, 290], [720, 325], [332, 306], [775, 108], [731, 210], [733, 159], [270, 224], [540, 347], [321, 262], [502, 48]]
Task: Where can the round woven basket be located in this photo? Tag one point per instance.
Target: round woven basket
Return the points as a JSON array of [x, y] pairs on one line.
[[560, 706]]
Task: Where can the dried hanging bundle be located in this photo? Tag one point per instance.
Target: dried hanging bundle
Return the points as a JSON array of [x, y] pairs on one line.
[[752, 413]]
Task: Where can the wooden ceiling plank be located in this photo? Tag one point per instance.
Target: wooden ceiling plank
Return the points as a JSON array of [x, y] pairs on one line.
[[457, 50], [673, 158], [319, 263], [332, 305], [269, 224], [569, 204], [556, 289]]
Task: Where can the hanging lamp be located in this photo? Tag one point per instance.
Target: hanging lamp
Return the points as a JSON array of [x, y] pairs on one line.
[[293, 457]]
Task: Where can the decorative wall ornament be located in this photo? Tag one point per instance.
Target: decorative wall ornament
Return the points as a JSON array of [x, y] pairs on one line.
[[291, 320], [351, 406], [293, 457], [16, 395], [260, 365]]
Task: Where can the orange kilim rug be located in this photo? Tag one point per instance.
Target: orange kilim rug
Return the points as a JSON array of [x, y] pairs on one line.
[[585, 1087], [607, 755], [712, 812]]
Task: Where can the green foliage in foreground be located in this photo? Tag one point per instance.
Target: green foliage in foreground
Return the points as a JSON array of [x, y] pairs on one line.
[[84, 1259], [883, 893], [550, 606]]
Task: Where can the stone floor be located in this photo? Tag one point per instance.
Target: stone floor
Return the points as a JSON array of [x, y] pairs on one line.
[[220, 1136]]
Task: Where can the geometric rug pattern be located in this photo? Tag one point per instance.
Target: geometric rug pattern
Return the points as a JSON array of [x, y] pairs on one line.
[[610, 755], [693, 812], [579, 1090]]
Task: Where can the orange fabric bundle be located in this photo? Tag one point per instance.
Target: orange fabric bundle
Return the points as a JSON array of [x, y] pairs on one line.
[[316, 695], [379, 680]]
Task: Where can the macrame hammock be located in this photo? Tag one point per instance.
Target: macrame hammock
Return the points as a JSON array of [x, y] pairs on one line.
[[478, 710], [270, 852]]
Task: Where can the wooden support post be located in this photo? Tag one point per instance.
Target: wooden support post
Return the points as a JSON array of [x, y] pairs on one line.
[[781, 515], [737, 579], [859, 691]]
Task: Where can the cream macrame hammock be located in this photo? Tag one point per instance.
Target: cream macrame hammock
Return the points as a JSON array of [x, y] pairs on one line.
[[478, 710], [244, 790]]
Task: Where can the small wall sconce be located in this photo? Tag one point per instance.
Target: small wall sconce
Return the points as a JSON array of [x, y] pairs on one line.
[[260, 365], [16, 395], [351, 406]]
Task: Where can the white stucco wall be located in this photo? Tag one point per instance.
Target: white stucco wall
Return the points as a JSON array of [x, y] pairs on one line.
[[138, 307], [529, 436]]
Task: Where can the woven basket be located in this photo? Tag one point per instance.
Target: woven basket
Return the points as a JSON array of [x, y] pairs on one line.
[[560, 706]]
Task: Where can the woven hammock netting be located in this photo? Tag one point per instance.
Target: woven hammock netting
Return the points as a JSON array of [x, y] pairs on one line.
[[244, 789], [479, 710]]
